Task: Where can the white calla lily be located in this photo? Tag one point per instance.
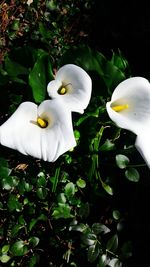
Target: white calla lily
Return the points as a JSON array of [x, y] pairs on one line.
[[142, 143], [44, 131], [73, 85], [129, 108]]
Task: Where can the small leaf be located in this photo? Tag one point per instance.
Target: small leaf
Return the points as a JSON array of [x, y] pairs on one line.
[[15, 229], [37, 78], [41, 181], [61, 198], [116, 214], [13, 203], [4, 170], [19, 248], [103, 262], [115, 263], [63, 210], [107, 188], [41, 192], [34, 259], [122, 161], [33, 221], [89, 239], [79, 227], [4, 258], [100, 228], [93, 252], [5, 249], [34, 241], [112, 243], [81, 183], [132, 175], [69, 190], [107, 146]]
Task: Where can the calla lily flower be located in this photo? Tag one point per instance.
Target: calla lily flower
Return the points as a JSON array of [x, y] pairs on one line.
[[73, 85], [129, 108], [44, 131]]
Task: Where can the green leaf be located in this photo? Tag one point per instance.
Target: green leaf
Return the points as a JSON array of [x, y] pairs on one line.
[[69, 190], [33, 221], [4, 170], [107, 188], [13, 203], [103, 262], [93, 252], [100, 228], [89, 239], [122, 161], [79, 227], [107, 146], [34, 259], [61, 198], [5, 249], [14, 69], [19, 248], [15, 26], [54, 179], [38, 78], [15, 230], [63, 210], [81, 183], [116, 214], [9, 182], [42, 192], [41, 181], [33, 241], [115, 263], [120, 61], [5, 258], [112, 243], [132, 175]]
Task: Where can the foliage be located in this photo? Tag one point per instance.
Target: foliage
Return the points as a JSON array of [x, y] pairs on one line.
[[73, 212]]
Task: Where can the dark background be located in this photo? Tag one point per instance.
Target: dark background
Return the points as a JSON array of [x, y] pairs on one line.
[[123, 25]]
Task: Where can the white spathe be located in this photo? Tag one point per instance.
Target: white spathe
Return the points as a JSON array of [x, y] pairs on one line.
[[78, 86], [21, 132], [135, 94]]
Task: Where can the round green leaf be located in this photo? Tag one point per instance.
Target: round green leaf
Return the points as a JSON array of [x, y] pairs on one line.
[[41, 182], [19, 248], [122, 161], [116, 214], [42, 192], [100, 228], [33, 241], [69, 189], [132, 175], [5, 249], [81, 183], [4, 258]]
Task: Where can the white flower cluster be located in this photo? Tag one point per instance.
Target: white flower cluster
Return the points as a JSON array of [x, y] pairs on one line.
[[46, 131]]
